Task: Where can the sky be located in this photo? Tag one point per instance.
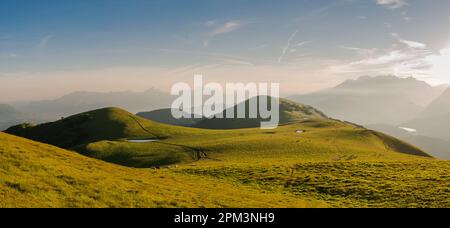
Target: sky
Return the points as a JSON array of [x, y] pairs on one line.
[[49, 48]]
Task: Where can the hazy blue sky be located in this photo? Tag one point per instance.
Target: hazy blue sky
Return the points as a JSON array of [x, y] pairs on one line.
[[52, 47]]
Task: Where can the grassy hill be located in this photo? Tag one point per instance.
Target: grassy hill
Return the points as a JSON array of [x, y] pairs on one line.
[[105, 134], [165, 116], [321, 141], [101, 124], [315, 162], [360, 184], [33, 174], [290, 112]]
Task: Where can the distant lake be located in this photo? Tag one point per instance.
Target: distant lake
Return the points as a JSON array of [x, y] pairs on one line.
[[142, 140]]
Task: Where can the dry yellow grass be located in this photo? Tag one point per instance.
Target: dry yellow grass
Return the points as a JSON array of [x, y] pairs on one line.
[[39, 175]]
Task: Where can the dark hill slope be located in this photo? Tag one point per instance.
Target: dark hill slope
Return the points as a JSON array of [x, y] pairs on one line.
[[290, 112], [97, 125], [165, 116]]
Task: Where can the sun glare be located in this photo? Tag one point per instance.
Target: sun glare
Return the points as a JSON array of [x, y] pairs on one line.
[[440, 65]]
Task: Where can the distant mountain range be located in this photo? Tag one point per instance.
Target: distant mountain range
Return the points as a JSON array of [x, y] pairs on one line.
[[438, 147], [434, 121], [373, 100], [440, 106], [49, 110], [10, 116]]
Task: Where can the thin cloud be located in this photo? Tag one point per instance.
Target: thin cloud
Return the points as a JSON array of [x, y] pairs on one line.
[[406, 17], [287, 47], [409, 59], [43, 44], [409, 43], [302, 43], [237, 62], [218, 57], [191, 69], [365, 52], [262, 46], [388, 62], [290, 47], [392, 4], [8, 56], [221, 29], [210, 23], [390, 57], [414, 44], [226, 28]]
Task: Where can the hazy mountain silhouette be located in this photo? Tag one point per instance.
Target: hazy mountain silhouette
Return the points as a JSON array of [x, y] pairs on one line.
[[165, 116], [373, 100], [438, 147], [440, 106], [78, 102], [9, 116], [434, 121]]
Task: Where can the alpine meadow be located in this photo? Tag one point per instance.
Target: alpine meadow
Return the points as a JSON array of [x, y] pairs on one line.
[[224, 104]]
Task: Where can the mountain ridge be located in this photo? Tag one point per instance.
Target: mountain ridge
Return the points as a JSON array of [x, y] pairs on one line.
[[373, 100], [83, 101], [165, 116], [289, 112]]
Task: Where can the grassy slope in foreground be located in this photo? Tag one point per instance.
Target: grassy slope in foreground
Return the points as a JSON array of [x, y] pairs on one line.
[[38, 175], [101, 133], [33, 174], [423, 183]]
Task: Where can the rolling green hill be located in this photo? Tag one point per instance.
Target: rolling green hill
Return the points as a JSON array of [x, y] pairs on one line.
[[165, 116], [315, 162], [105, 134], [290, 112], [33, 174], [101, 124]]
